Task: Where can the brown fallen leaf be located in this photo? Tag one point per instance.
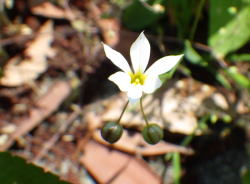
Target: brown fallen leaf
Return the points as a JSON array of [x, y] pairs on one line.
[[18, 71], [110, 27], [107, 165], [132, 117], [133, 143], [43, 108], [174, 109], [47, 9], [143, 174]]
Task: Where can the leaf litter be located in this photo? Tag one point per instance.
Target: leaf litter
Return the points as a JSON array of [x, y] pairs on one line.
[[72, 157], [20, 71]]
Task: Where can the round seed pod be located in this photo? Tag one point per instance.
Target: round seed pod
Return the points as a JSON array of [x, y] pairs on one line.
[[111, 132], [152, 133]]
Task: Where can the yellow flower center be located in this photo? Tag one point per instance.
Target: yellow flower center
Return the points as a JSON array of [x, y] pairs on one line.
[[137, 78]]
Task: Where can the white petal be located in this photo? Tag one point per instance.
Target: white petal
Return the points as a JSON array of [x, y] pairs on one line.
[[116, 58], [163, 65], [152, 83], [134, 93], [122, 80], [139, 53]]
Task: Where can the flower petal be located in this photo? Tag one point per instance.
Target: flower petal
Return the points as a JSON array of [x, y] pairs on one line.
[[163, 65], [121, 79], [134, 93], [139, 53], [116, 58], [152, 83]]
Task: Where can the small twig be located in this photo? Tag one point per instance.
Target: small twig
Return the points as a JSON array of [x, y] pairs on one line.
[[17, 38], [43, 108], [23, 38], [51, 142]]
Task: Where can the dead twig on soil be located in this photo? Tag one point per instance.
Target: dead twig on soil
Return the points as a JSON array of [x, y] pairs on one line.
[[42, 109], [52, 141]]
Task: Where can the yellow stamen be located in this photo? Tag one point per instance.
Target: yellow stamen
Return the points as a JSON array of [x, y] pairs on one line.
[[137, 78]]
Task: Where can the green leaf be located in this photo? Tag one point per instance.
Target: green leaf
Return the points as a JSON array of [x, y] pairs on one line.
[[246, 177], [231, 36], [196, 59], [15, 170], [193, 56], [240, 57], [182, 13], [139, 15], [240, 79], [221, 13], [223, 80]]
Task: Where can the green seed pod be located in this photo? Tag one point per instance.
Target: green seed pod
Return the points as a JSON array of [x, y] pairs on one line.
[[111, 132], [152, 133]]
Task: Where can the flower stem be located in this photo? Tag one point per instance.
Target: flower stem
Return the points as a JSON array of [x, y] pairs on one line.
[[143, 114], [196, 20], [124, 108]]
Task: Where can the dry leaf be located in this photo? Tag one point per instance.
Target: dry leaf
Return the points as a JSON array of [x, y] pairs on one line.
[[43, 107], [111, 166], [18, 72], [180, 104], [110, 30], [132, 143], [47, 9], [110, 27], [175, 109]]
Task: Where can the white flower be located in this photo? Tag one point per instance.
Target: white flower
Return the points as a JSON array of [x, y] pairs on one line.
[[137, 81]]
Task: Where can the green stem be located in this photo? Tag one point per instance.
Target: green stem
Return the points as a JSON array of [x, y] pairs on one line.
[[143, 114], [176, 162], [190, 137], [196, 20], [124, 108]]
